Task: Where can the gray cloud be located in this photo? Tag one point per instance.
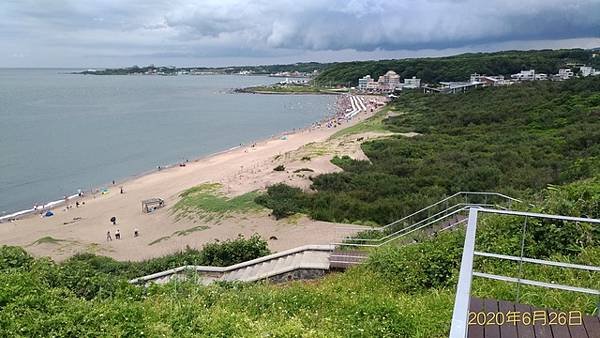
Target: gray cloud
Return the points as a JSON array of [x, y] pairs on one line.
[[193, 30]]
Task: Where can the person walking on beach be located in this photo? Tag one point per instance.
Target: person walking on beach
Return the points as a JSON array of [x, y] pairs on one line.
[[113, 220], [117, 234], [121, 190], [108, 237]]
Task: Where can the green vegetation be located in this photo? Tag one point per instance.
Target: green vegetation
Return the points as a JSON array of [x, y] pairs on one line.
[[514, 140], [303, 169], [403, 291], [183, 232], [47, 240], [280, 167], [158, 240], [206, 201], [186, 232], [283, 200], [458, 67], [372, 124]]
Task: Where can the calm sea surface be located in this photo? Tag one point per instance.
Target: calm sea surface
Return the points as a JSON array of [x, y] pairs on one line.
[[62, 132]]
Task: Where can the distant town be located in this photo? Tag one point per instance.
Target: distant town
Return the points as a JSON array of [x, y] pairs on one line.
[[390, 81]]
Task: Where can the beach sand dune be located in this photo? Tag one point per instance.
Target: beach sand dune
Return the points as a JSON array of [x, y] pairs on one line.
[[240, 170]]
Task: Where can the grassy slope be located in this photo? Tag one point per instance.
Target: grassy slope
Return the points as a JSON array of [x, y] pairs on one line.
[[207, 202], [372, 124]]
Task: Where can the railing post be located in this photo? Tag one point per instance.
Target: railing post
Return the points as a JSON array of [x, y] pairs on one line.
[[463, 290]]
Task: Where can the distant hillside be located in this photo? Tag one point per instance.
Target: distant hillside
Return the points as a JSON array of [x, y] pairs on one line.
[[302, 67], [458, 67]]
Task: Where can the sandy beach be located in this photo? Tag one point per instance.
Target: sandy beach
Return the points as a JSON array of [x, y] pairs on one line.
[[240, 170]]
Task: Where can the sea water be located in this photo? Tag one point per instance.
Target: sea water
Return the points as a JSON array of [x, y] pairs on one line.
[[62, 132]]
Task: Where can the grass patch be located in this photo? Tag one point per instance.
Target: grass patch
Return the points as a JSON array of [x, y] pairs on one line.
[[164, 238], [48, 240], [294, 219], [314, 149], [206, 200], [303, 169], [372, 124], [186, 232]]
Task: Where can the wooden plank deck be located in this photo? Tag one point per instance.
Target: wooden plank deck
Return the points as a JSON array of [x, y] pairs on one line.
[[491, 318]]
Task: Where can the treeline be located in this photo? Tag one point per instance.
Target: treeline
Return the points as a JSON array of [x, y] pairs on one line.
[[303, 67], [515, 140], [459, 67]]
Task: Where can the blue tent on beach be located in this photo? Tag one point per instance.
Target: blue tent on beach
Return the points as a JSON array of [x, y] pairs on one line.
[[49, 213]]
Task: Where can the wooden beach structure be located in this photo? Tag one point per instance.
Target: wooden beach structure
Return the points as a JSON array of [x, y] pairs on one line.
[[152, 204]]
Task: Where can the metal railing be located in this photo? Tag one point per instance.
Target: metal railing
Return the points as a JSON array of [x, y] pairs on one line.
[[459, 328], [451, 206]]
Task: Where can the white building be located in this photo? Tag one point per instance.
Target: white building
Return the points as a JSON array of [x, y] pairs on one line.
[[363, 82], [390, 81], [565, 73], [588, 71], [496, 80], [524, 75], [412, 83]]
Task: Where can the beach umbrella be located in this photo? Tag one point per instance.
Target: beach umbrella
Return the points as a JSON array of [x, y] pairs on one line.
[[49, 213]]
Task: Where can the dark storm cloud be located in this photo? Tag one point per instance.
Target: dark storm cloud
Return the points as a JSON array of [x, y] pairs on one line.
[[190, 28]]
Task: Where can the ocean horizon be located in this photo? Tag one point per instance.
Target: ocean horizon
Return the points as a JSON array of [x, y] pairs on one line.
[[63, 132]]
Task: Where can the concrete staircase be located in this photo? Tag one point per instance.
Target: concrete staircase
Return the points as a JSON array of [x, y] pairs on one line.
[[305, 262]]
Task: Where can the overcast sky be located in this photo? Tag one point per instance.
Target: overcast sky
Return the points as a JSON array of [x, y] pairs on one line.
[[109, 33]]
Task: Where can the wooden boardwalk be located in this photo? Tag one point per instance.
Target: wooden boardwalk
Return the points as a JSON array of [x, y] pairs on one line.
[[489, 318]]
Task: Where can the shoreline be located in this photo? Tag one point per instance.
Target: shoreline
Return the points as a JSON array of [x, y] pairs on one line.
[[82, 224], [83, 193], [253, 90]]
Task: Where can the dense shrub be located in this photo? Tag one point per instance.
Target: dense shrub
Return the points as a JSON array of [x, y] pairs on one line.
[[431, 264], [234, 251], [14, 257], [283, 200]]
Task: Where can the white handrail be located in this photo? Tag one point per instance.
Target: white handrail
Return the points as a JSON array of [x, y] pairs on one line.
[[460, 193], [459, 328]]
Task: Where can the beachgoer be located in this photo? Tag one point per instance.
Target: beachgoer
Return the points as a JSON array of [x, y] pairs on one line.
[[121, 190], [113, 220], [113, 182], [108, 238], [117, 234], [136, 232], [77, 204]]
